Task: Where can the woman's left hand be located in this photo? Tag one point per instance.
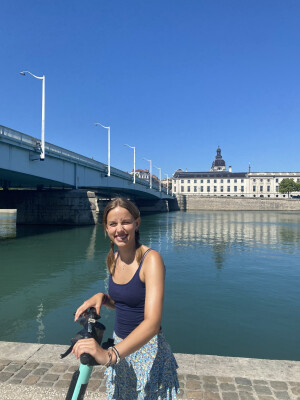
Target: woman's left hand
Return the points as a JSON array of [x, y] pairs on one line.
[[91, 347]]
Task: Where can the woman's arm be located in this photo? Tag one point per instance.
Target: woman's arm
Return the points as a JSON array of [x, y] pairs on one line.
[[96, 301]]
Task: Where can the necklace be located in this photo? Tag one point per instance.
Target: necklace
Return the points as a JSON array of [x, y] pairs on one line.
[[122, 266]]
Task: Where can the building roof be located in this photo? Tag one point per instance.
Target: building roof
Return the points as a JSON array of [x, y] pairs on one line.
[[210, 174]]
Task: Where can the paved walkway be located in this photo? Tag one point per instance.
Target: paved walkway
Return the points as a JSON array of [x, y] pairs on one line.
[[35, 372]]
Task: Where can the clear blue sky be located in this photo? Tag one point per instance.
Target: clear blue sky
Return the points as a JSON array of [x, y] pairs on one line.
[[175, 78]]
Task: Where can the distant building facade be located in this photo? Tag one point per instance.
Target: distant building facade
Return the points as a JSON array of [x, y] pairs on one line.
[[220, 182], [145, 174]]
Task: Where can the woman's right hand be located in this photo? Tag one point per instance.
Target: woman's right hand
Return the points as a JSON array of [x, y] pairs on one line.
[[94, 301]]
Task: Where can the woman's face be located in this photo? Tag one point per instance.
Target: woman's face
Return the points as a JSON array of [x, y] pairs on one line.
[[121, 226]]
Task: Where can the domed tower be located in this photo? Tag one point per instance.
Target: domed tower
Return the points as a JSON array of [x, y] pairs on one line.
[[219, 163]]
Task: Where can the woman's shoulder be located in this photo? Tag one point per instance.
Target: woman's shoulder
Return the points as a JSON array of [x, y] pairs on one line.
[[151, 253], [152, 258]]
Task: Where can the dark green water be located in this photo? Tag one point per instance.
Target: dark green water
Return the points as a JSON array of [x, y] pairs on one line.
[[232, 283]]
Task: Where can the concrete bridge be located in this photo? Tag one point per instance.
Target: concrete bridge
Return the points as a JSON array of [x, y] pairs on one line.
[[65, 188]]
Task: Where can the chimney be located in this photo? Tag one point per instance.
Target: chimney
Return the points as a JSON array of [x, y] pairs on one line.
[[229, 169]]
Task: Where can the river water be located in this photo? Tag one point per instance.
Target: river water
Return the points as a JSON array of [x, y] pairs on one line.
[[232, 281]]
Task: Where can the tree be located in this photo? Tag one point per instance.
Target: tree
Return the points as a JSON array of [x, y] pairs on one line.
[[288, 185]]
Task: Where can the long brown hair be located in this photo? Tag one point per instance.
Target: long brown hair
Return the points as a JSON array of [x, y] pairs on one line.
[[134, 211]]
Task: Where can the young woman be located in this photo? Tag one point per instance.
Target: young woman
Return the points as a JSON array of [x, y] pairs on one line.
[[141, 364]]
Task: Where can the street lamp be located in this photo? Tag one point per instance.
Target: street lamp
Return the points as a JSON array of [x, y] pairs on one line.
[[132, 147], [159, 177], [108, 150], [167, 183], [150, 161], [42, 155]]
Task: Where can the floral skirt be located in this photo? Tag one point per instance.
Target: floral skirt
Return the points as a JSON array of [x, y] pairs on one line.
[[148, 374]]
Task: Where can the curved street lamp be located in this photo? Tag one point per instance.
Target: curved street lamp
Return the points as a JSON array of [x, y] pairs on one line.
[[108, 150], [132, 147], [159, 177], [42, 155], [167, 183], [150, 161]]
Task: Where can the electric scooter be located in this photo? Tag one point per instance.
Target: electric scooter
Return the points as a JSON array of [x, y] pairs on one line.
[[91, 329]]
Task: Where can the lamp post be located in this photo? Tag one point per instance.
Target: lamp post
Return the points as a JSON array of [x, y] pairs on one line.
[[167, 183], [132, 147], [159, 177], [42, 155], [150, 161], [108, 146]]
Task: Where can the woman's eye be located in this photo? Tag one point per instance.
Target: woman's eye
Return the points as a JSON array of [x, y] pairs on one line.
[[112, 224]]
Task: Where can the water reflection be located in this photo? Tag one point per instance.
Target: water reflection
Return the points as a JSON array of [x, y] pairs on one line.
[[8, 224], [222, 230], [41, 326], [53, 267]]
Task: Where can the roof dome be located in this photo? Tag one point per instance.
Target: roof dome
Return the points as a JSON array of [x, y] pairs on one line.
[[219, 163]]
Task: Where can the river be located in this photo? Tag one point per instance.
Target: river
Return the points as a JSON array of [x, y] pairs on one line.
[[232, 280]]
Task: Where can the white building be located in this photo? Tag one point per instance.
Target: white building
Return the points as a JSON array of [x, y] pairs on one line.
[[220, 182]]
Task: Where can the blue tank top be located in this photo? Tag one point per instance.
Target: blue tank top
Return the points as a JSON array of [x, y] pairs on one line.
[[129, 301]]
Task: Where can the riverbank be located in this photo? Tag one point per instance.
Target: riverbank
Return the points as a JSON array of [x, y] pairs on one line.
[[194, 202], [35, 372]]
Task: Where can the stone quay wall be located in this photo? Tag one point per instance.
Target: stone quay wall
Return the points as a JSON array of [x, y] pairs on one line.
[[52, 207], [210, 203]]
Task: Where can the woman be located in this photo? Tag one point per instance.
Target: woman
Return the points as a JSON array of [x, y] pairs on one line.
[[140, 365]]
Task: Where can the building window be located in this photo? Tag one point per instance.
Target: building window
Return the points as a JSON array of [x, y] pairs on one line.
[[208, 188], [201, 181], [268, 180], [189, 188], [222, 188], [254, 188], [261, 188], [235, 181], [195, 180], [228, 180], [268, 188], [215, 181], [276, 189], [261, 180], [235, 188], [228, 188], [201, 189], [195, 188], [208, 180], [189, 181], [182, 181], [242, 180], [182, 188], [254, 180], [242, 188], [221, 181], [215, 188], [174, 189], [276, 180]]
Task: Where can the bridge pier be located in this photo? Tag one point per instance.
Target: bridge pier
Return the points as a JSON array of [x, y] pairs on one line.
[[52, 207]]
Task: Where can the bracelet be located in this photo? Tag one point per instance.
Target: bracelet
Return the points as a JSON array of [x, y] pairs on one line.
[[108, 364], [105, 298], [115, 350]]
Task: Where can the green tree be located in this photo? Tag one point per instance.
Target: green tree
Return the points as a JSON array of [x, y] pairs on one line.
[[288, 185]]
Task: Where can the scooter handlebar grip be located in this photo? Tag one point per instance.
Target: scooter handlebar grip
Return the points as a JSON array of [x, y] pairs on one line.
[[86, 359]]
